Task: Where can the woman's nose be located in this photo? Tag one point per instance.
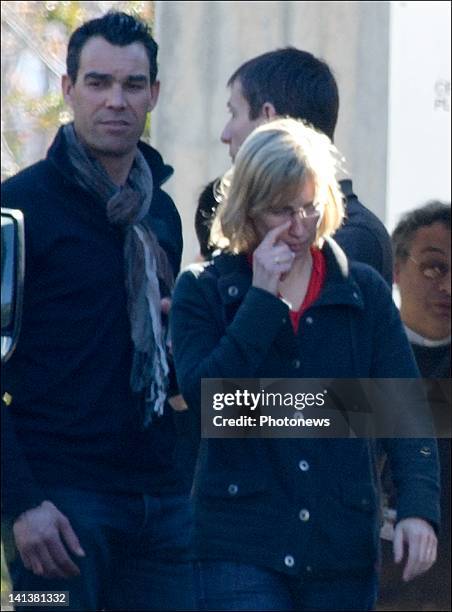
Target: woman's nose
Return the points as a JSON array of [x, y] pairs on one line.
[[297, 226]]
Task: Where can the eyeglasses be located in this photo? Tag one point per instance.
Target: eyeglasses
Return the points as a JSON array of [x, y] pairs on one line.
[[305, 212], [432, 270]]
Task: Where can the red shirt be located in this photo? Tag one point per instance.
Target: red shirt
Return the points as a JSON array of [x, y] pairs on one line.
[[316, 283]]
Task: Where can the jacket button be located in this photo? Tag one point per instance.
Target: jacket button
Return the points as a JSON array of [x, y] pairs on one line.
[[304, 515], [233, 489], [303, 465], [7, 398], [308, 568], [309, 320], [233, 291], [426, 451], [289, 561], [355, 295], [296, 363]]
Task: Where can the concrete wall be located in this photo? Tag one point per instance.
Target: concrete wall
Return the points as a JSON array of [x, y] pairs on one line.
[[419, 135], [202, 43]]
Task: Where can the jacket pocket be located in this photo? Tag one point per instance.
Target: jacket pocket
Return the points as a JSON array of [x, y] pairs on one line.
[[359, 496]]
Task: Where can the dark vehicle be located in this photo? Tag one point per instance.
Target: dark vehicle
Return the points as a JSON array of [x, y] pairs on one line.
[[13, 266]]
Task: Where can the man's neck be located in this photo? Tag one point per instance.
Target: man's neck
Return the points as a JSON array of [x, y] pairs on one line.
[[426, 329]]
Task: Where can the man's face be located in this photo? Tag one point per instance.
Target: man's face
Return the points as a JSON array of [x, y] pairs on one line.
[[239, 125], [425, 300], [111, 96]]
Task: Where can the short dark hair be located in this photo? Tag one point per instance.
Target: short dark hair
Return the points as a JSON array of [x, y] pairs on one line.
[[118, 29], [205, 213], [297, 84], [402, 236]]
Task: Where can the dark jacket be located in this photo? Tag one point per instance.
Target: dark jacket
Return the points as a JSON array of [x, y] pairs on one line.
[[433, 589], [363, 236], [224, 328], [76, 420]]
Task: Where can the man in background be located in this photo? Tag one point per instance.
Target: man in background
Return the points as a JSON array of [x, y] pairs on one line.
[[291, 82], [421, 243], [95, 504], [422, 252]]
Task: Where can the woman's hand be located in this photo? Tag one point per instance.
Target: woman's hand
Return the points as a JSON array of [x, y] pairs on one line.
[[271, 259], [420, 539]]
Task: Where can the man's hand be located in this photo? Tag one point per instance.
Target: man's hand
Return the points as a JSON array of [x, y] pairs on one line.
[[271, 259], [42, 535], [422, 544]]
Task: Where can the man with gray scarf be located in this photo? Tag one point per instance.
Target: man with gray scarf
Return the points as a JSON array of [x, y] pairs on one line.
[[95, 504]]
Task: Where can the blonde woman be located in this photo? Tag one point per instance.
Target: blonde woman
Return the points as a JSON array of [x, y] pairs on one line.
[[292, 524]]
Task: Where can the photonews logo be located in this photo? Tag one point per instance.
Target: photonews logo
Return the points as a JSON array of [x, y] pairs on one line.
[[243, 398]]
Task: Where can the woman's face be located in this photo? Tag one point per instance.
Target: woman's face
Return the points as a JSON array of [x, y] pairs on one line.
[[303, 214]]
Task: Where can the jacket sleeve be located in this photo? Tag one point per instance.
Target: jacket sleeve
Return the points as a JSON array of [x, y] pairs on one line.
[[20, 491], [413, 461], [203, 348]]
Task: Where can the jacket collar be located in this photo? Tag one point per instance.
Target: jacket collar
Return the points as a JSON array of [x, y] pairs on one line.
[[57, 155], [346, 186], [235, 275], [161, 172]]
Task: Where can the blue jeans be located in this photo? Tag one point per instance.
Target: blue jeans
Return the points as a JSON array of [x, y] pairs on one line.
[[226, 585], [137, 553]]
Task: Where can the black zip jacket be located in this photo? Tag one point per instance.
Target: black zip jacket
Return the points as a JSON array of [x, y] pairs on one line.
[[73, 420]]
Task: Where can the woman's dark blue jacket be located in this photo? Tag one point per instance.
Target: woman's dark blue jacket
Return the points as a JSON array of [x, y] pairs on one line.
[[222, 327]]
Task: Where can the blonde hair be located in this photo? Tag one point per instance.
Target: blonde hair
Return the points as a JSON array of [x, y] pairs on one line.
[[271, 166]]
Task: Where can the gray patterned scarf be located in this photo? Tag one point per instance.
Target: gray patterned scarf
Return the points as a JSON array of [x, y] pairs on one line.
[[146, 264]]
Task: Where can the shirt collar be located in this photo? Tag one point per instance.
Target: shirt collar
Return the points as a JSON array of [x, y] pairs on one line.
[[416, 338]]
